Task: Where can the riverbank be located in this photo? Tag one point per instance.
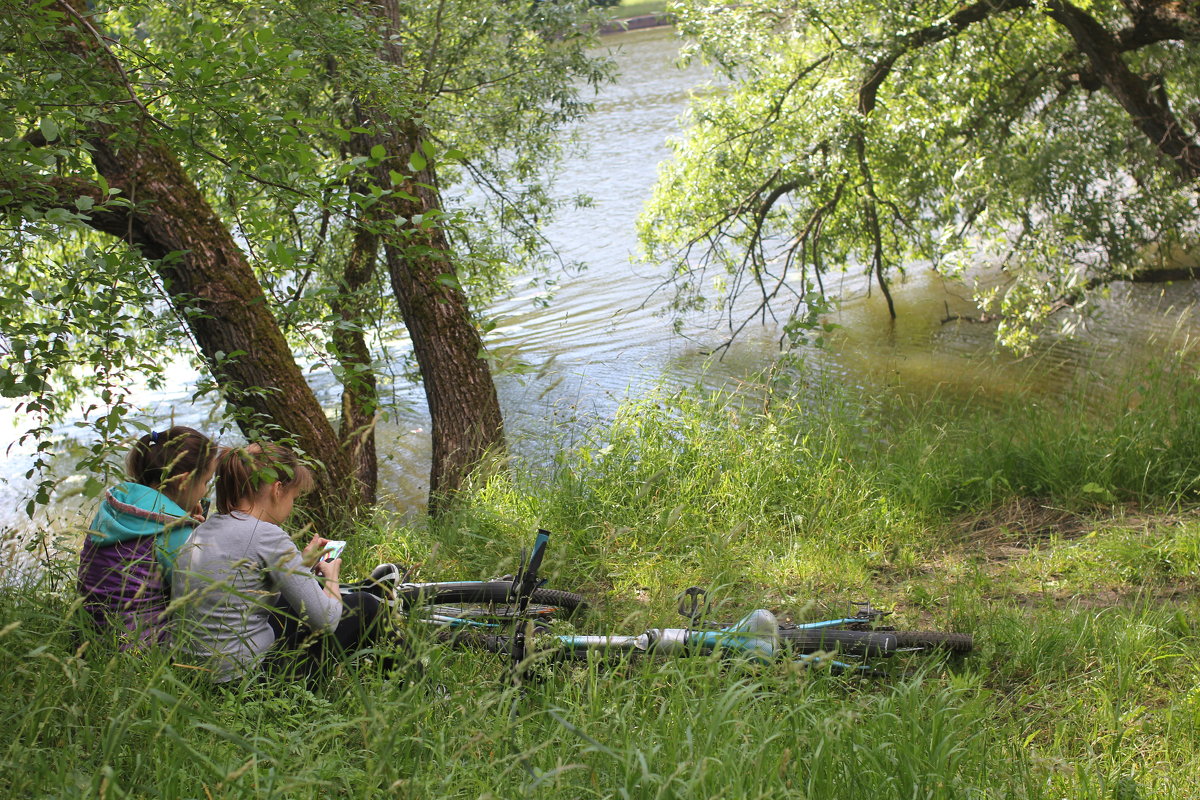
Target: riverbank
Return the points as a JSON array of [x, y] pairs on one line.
[[632, 15], [1066, 544], [639, 22]]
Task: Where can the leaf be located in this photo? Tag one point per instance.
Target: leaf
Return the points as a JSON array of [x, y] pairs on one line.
[[379, 152], [1098, 493], [10, 387], [49, 128], [417, 162]]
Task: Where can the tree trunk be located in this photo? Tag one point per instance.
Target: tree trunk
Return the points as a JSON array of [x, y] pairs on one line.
[[464, 409], [463, 405], [467, 426], [360, 393]]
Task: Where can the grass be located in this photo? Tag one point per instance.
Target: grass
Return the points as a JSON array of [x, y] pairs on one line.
[[1068, 548], [637, 8]]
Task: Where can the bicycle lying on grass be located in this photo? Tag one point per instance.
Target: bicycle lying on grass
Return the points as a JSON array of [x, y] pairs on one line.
[[500, 615], [757, 636]]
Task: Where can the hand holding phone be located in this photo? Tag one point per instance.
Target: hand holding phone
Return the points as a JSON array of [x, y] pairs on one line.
[[333, 550]]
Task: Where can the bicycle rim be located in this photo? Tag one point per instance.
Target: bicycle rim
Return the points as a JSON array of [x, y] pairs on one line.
[[480, 600]]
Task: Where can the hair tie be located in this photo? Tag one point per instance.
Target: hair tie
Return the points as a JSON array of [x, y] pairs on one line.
[[153, 437]]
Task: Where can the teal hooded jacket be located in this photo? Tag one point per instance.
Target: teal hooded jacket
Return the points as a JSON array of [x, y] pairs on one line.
[[131, 510]]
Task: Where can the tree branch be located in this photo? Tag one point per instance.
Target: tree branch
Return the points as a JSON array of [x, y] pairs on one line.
[[1153, 117], [939, 31], [120, 68], [62, 192]]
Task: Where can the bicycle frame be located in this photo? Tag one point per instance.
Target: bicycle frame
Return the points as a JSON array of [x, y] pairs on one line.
[[755, 636]]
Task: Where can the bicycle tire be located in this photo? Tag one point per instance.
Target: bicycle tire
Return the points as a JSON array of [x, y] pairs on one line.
[[489, 611], [934, 640], [487, 593], [848, 642]]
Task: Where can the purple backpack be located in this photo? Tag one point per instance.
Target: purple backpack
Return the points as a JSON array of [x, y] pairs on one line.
[[122, 586]]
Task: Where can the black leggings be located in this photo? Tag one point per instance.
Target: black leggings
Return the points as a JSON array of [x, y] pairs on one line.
[[297, 648]]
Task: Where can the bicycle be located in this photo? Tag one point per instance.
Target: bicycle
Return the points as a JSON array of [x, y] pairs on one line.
[[758, 635]]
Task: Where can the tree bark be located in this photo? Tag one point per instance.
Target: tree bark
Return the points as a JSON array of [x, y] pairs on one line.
[[463, 405], [360, 392]]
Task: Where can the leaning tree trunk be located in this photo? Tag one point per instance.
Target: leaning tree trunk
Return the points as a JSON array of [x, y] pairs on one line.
[[212, 287], [463, 405]]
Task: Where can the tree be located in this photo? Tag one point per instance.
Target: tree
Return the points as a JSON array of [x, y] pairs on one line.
[[131, 185], [143, 123], [443, 79], [1057, 140], [450, 87]]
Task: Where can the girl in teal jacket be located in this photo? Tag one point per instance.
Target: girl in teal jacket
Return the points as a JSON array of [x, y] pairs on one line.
[[126, 561]]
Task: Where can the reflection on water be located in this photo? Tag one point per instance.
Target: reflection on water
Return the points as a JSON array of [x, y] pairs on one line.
[[599, 339]]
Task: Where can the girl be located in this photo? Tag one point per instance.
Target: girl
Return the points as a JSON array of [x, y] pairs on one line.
[[126, 561], [245, 591]]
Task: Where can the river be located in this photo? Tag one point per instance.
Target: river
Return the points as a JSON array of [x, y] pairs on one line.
[[601, 337]]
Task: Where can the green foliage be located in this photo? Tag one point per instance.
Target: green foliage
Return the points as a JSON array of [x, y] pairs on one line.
[[258, 101], [979, 151]]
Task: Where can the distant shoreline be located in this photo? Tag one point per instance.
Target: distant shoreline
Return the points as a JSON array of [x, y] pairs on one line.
[[637, 23]]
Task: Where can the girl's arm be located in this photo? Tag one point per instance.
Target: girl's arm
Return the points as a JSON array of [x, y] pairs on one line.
[[318, 607]]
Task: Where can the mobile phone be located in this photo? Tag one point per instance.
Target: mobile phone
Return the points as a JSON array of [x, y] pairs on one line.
[[333, 549]]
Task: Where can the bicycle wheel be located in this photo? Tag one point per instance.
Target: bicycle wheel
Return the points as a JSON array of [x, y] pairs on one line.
[[486, 598], [856, 643], [932, 640]]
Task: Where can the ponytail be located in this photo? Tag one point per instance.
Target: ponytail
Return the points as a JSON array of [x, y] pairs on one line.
[[243, 472]]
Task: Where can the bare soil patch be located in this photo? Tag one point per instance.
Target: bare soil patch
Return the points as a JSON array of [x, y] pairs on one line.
[[1011, 529]]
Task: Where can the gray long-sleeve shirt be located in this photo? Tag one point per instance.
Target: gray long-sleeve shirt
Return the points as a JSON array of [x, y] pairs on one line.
[[228, 575]]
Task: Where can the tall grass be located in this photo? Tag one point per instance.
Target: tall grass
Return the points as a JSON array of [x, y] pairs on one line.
[[1082, 684], [1143, 445]]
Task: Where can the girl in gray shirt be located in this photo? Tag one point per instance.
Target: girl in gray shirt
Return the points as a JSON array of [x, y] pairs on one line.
[[240, 584]]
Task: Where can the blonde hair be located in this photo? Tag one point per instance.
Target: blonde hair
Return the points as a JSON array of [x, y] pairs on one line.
[[243, 472]]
